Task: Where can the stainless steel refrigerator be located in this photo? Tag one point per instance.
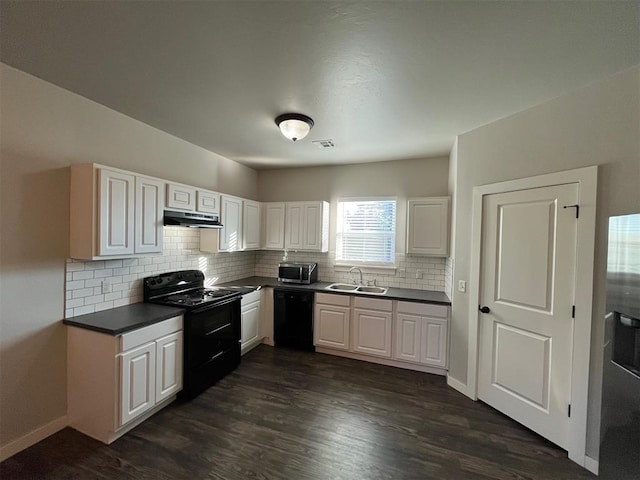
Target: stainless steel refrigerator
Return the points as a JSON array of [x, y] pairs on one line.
[[620, 422]]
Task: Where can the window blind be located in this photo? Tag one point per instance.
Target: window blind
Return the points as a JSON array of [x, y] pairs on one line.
[[366, 231]]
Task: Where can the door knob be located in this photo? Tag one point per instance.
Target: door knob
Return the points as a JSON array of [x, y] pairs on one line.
[[484, 309]]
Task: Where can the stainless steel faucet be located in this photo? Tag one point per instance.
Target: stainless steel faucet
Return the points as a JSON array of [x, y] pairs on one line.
[[360, 271]]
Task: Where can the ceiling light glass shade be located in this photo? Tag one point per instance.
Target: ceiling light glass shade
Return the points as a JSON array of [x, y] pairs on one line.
[[294, 126]]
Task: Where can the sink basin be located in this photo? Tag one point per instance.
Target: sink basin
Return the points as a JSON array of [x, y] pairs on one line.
[[347, 287], [343, 287], [374, 290]]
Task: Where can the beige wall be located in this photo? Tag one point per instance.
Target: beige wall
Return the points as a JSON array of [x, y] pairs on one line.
[[401, 178], [597, 125], [44, 130]]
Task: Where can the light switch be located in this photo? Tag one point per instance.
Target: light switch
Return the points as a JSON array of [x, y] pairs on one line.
[[462, 286]]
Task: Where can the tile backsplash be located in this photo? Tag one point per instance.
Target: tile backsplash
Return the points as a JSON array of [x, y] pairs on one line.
[[84, 279], [181, 251]]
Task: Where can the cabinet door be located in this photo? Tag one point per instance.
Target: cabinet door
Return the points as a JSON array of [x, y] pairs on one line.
[[428, 226], [168, 366], [250, 326], [231, 217], [312, 232], [294, 226], [181, 197], [331, 326], [251, 225], [149, 206], [273, 225], [408, 337], [116, 198], [207, 202], [372, 332], [434, 342], [137, 381]]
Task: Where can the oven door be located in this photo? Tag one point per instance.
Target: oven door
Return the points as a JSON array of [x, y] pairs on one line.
[[212, 345]]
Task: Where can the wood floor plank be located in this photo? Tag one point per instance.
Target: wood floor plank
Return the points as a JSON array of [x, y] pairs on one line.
[[288, 415]]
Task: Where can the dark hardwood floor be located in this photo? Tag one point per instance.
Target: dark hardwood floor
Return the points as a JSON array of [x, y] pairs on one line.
[[295, 415]]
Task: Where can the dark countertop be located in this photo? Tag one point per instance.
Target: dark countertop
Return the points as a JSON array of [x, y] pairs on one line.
[[407, 294], [124, 319]]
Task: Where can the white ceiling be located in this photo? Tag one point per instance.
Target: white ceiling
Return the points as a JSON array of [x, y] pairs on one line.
[[385, 80]]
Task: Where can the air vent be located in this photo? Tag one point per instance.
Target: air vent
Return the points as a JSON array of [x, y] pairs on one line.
[[324, 143]]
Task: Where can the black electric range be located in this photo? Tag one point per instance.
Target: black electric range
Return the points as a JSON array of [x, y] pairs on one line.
[[211, 325]]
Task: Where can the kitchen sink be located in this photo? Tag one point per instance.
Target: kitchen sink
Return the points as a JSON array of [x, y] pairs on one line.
[[343, 287], [347, 287], [374, 290]]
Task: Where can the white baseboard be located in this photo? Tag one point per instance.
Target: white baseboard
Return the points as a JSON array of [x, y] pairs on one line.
[[31, 438], [459, 386], [591, 465]]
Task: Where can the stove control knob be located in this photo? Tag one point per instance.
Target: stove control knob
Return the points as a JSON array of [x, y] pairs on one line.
[[152, 281]]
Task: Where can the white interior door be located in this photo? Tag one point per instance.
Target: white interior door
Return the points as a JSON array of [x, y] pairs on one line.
[[527, 283]]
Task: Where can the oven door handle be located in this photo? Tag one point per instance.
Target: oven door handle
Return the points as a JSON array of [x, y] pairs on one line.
[[219, 354], [218, 329], [217, 304]]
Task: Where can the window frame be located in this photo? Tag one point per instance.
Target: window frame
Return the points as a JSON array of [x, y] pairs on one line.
[[378, 265]]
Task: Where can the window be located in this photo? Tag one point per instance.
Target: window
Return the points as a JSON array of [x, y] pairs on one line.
[[366, 231]]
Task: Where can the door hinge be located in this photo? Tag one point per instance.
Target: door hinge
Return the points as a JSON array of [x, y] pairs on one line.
[[576, 206], [569, 411], [573, 311]]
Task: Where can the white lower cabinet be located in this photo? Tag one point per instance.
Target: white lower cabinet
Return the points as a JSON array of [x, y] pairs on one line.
[[372, 322], [422, 333], [251, 326], [403, 334], [116, 382], [332, 321]]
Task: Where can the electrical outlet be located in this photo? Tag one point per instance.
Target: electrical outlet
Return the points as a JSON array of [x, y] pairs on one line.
[[419, 273], [402, 272], [462, 286], [106, 286]]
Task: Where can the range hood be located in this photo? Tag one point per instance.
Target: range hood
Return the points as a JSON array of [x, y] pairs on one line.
[[187, 219]]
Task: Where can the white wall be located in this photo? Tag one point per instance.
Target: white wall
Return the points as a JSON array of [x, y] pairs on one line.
[[597, 125], [44, 130]]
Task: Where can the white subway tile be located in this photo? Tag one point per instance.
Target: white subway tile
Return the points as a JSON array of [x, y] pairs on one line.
[[112, 296], [113, 264], [103, 306], [82, 275], [76, 302], [75, 285], [106, 272], [94, 299], [97, 265], [83, 310], [130, 262], [75, 266], [68, 313], [83, 292]]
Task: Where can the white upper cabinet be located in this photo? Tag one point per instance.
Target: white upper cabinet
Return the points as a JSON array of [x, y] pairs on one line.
[[114, 213], [230, 239], [428, 226], [116, 200], [307, 226], [250, 225], [273, 214], [208, 202], [149, 206], [191, 199], [181, 197]]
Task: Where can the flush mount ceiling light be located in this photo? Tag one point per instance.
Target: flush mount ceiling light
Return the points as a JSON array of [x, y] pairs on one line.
[[294, 126]]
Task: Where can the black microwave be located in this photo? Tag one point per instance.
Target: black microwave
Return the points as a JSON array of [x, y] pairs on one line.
[[305, 273]]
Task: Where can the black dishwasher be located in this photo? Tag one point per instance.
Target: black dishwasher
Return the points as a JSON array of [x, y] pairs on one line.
[[293, 319]]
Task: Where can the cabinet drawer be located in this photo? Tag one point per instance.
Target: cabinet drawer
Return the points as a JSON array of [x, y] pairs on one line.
[[331, 299], [373, 304], [424, 309], [148, 334]]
